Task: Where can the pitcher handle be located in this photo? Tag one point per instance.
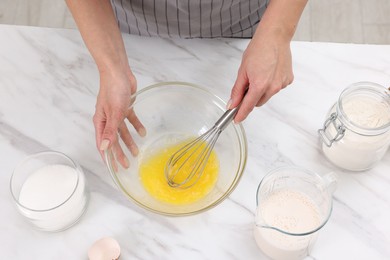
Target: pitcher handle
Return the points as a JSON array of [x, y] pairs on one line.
[[330, 182]]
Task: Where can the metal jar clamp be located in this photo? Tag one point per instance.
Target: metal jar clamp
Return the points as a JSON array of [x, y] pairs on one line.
[[340, 130]]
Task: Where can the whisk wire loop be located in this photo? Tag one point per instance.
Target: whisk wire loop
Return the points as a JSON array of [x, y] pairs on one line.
[[188, 151], [195, 143], [200, 163], [197, 159]]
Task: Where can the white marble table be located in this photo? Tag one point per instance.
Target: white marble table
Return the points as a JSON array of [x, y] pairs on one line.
[[48, 86]]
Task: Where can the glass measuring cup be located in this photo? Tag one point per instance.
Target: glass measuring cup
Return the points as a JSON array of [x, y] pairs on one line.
[[293, 204]]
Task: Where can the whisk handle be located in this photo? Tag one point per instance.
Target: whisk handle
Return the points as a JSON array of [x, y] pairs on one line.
[[226, 118]]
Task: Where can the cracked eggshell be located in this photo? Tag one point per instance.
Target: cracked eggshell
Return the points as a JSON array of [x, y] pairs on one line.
[[104, 249]]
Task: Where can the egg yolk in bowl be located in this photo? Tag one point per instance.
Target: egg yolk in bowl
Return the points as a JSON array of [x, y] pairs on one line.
[[152, 176]]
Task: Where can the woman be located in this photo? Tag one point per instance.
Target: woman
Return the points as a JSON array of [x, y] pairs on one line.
[[266, 63]]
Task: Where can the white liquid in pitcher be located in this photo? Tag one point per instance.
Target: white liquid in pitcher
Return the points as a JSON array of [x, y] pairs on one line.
[[290, 211]]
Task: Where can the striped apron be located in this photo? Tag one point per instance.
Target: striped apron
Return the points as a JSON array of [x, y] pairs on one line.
[[189, 18]]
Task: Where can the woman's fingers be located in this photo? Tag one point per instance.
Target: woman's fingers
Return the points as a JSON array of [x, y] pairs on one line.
[[128, 139], [269, 93], [109, 135], [113, 161], [238, 90], [120, 155], [99, 124], [250, 100], [133, 119]]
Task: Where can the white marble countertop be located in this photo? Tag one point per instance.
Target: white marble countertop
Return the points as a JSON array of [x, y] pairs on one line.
[[48, 87]]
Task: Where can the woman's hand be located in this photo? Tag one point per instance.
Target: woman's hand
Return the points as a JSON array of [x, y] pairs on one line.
[[112, 108], [265, 69], [99, 29], [266, 65]]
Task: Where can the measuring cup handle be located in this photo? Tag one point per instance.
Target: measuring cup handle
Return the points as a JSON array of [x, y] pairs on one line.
[[330, 182]]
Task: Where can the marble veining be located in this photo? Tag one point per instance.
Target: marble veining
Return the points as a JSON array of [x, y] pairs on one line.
[[48, 88]]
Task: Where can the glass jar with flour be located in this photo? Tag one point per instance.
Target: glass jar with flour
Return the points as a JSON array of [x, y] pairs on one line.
[[356, 133]]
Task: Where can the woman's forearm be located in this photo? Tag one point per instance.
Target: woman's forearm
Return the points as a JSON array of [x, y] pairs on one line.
[[281, 17], [97, 24]]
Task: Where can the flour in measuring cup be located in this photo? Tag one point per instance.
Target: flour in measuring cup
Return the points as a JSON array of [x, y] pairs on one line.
[[293, 212]]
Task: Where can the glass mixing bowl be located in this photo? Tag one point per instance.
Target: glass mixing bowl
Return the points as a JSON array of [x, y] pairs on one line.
[[172, 112]]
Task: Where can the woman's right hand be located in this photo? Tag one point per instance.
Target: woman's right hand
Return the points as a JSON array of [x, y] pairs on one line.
[[112, 108]]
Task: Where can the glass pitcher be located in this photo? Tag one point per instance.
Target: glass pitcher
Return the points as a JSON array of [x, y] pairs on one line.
[[293, 204]]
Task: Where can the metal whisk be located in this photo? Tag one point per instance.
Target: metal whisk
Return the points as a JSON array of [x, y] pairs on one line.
[[196, 153]]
